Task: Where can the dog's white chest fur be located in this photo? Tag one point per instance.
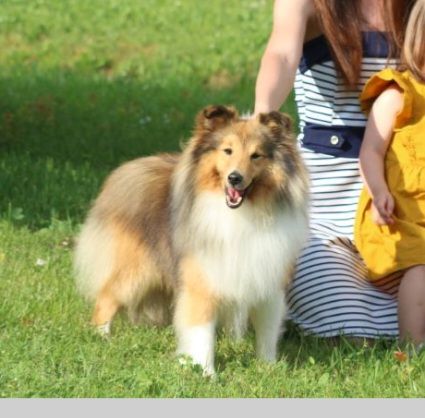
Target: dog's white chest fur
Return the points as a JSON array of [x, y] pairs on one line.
[[246, 253]]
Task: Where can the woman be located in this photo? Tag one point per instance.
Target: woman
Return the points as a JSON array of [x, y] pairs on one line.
[[327, 49]]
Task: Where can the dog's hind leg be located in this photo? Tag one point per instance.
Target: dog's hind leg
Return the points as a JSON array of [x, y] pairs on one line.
[[154, 309], [267, 319], [105, 309], [235, 321]]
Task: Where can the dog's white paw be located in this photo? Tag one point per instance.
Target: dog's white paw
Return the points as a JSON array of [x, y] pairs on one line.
[[209, 372], [104, 330], [187, 361]]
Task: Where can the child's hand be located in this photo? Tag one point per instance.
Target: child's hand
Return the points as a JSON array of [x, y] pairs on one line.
[[383, 208]]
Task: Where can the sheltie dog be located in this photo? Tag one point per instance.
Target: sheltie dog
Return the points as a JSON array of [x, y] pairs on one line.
[[206, 237]]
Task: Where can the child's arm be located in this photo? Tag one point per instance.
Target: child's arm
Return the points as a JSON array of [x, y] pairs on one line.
[[379, 130]]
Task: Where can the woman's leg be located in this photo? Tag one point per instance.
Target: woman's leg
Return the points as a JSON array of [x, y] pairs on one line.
[[411, 305], [332, 296]]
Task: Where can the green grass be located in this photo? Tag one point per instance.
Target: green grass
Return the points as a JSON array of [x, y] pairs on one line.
[[84, 86]]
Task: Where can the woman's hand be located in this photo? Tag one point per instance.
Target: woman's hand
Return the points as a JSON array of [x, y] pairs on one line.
[[383, 208]]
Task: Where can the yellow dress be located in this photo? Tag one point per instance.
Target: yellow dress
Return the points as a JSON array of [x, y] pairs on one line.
[[390, 248]]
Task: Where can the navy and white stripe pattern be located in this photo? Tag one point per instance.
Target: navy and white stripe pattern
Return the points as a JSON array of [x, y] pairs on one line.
[[331, 295]]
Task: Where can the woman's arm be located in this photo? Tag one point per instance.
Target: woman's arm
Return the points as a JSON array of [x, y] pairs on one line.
[[283, 53], [378, 134]]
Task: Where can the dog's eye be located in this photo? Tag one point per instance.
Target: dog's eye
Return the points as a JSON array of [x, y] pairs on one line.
[[255, 156], [228, 151]]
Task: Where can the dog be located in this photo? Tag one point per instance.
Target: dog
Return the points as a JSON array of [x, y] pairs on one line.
[[203, 238]]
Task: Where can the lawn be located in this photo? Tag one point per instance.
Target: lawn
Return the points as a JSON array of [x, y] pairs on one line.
[[84, 86]]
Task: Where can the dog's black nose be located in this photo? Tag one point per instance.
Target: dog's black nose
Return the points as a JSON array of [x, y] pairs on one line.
[[235, 178]]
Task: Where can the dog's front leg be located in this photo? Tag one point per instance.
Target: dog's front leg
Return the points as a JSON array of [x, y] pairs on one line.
[[197, 342], [195, 318], [267, 318]]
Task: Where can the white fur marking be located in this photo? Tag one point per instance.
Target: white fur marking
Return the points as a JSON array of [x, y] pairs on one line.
[[245, 253], [198, 343]]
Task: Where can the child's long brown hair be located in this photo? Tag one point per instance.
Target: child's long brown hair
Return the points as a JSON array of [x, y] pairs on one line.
[[341, 22], [413, 53]]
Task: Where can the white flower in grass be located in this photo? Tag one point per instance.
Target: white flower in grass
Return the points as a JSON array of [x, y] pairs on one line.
[[40, 262], [65, 243], [145, 120]]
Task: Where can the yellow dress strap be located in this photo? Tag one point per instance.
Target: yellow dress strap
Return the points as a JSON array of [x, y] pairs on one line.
[[381, 81]]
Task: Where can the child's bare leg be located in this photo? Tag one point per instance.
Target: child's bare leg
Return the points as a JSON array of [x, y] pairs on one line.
[[411, 305]]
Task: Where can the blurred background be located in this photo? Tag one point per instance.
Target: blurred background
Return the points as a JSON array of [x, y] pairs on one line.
[[88, 84]]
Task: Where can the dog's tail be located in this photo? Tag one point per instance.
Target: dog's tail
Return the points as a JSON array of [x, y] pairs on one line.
[[93, 258]]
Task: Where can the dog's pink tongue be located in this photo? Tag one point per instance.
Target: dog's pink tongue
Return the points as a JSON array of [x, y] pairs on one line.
[[234, 194]]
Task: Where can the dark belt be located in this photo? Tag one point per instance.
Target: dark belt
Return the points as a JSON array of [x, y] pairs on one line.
[[339, 141]]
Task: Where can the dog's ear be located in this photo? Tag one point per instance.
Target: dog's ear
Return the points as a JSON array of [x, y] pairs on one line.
[[214, 117], [278, 123]]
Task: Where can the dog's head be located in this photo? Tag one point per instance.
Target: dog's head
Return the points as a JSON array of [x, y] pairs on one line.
[[242, 158]]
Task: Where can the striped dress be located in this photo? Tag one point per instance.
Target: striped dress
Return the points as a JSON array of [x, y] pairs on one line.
[[330, 295]]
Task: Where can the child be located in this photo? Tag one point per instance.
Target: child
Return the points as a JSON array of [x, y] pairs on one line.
[[390, 222]]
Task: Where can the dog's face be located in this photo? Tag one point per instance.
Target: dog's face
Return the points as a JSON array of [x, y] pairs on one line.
[[243, 159]]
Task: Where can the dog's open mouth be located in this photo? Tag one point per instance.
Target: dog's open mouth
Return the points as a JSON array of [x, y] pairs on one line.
[[235, 197]]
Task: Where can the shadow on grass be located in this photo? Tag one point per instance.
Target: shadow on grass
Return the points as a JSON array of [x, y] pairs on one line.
[[62, 133], [301, 350]]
